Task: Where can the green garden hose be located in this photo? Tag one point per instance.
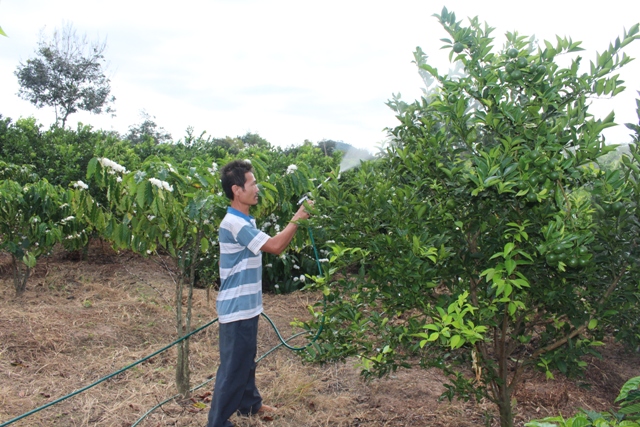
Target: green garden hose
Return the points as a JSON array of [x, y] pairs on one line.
[[283, 342]]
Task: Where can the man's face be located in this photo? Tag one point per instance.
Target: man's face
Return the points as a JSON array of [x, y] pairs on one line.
[[249, 194]]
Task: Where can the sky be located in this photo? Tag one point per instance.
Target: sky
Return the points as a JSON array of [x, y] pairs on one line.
[[288, 70]]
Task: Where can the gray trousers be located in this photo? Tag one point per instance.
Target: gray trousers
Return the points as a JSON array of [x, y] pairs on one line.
[[235, 387]]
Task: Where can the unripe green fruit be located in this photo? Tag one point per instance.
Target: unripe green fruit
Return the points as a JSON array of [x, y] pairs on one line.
[[457, 47], [516, 74], [522, 62], [512, 53]]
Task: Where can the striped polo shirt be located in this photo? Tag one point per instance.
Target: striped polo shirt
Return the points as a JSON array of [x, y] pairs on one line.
[[240, 295]]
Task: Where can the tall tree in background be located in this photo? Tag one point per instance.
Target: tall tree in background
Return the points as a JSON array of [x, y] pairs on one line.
[[147, 130], [67, 73]]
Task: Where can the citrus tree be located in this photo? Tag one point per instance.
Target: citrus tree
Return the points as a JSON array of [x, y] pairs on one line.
[[488, 240]]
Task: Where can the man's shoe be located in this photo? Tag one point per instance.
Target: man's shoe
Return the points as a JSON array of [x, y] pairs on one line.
[[266, 409]]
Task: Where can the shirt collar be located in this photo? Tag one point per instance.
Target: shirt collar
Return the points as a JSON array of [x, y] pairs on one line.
[[236, 212]]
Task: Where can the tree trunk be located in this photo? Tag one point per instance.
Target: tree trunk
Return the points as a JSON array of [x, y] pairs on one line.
[[502, 382], [19, 277], [182, 364], [183, 374], [506, 412]]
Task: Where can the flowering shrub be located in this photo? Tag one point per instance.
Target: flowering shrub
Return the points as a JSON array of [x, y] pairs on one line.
[[31, 223]]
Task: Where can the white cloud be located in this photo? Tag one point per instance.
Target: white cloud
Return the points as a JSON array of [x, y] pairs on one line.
[[288, 70]]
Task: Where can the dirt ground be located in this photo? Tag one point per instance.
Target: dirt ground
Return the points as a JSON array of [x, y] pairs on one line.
[[80, 321]]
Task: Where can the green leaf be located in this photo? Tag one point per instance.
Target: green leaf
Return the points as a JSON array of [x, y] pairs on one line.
[[91, 167], [456, 341], [593, 323], [204, 244], [631, 409], [29, 260], [579, 422], [632, 384], [144, 194], [3, 33], [508, 248]]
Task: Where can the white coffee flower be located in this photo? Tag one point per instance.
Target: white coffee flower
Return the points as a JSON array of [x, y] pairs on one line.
[[106, 163], [67, 219], [292, 169], [80, 184], [163, 185], [302, 278]]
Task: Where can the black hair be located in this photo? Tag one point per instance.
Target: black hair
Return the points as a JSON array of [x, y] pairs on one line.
[[233, 173]]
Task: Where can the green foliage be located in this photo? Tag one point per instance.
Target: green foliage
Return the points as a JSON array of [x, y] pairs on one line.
[[59, 155], [147, 130], [31, 223], [286, 177], [627, 416], [66, 74], [487, 237]]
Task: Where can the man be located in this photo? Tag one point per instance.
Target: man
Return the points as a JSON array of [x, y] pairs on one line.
[[239, 301]]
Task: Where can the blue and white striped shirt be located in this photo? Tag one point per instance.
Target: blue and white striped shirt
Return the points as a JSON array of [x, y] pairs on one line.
[[240, 295]]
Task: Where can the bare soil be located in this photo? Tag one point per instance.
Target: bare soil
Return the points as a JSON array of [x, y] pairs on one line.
[[80, 321]]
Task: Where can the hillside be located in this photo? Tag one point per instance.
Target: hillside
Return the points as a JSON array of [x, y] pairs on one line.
[[82, 320]]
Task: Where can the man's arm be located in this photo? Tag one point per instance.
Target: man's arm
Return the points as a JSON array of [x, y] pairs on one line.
[[278, 243]]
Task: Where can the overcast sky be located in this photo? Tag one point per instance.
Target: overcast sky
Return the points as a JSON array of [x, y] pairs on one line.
[[288, 70]]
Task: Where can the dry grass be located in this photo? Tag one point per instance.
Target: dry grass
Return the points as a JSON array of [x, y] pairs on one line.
[[81, 321]]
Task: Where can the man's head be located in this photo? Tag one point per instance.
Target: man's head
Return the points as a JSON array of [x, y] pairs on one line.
[[234, 174]]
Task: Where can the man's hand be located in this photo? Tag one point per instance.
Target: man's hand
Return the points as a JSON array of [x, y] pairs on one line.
[[302, 211]]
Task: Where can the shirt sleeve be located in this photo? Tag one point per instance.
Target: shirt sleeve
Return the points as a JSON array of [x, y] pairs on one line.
[[252, 238]]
